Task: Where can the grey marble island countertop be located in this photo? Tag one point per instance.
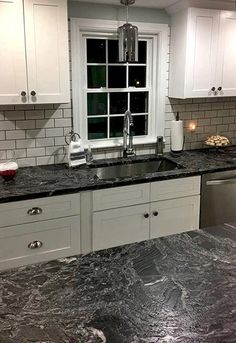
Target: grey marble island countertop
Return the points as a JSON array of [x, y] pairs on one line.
[[180, 288], [43, 181]]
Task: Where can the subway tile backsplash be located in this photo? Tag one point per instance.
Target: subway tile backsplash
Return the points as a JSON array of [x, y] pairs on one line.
[[36, 133], [211, 116]]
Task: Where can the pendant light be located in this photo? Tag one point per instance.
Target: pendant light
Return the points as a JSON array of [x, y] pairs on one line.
[[128, 38]]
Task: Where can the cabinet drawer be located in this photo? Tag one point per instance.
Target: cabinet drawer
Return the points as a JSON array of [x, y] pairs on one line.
[[174, 216], [29, 211], [176, 188], [58, 238], [120, 197], [120, 226]]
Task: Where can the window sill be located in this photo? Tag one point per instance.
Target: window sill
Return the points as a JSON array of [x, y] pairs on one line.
[[119, 143]]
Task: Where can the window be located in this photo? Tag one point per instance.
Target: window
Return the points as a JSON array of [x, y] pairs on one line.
[[103, 88], [112, 88]]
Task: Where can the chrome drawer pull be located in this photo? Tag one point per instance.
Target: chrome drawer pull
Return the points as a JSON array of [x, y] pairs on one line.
[[35, 245], [34, 211]]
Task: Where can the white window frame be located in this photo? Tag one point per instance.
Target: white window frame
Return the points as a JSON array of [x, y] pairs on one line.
[[160, 35]]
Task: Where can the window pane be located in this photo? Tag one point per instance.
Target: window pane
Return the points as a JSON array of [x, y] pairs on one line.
[[140, 127], [139, 102], [142, 52], [96, 77], [113, 51], [96, 51], [116, 126], [97, 103], [116, 77], [137, 76], [118, 103], [97, 128]]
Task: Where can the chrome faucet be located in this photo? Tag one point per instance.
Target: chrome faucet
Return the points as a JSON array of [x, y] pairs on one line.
[[128, 147]]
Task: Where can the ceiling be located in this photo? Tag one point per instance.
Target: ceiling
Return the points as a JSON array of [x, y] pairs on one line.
[[156, 3]]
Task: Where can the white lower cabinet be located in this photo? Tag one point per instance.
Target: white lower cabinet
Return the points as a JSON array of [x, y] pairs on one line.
[[38, 230], [37, 242], [174, 216], [170, 207], [120, 226]]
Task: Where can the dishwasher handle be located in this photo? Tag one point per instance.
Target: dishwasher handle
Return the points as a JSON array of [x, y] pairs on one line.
[[220, 182]]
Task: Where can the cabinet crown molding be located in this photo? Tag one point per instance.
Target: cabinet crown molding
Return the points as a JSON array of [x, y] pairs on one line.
[[228, 5]]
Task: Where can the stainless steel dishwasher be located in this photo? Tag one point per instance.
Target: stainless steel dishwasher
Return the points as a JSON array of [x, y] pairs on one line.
[[218, 198]]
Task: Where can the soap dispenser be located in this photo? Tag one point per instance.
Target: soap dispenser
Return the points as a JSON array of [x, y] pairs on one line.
[[76, 153]]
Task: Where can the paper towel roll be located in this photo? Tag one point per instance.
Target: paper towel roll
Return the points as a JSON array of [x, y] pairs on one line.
[[177, 135]]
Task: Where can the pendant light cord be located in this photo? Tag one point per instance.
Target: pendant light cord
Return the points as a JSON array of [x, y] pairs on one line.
[[127, 12]]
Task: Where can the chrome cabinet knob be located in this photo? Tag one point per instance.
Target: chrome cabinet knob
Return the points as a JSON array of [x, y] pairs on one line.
[[146, 215], [35, 245], [23, 93], [33, 93], [34, 211], [155, 213]]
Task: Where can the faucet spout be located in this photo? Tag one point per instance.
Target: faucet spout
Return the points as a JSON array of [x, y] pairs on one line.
[[128, 148]]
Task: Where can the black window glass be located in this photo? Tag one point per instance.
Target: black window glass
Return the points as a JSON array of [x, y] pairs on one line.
[[97, 128], [97, 103], [113, 51], [118, 103], [116, 126], [142, 52], [96, 76], [140, 127], [116, 77], [96, 51], [137, 76], [139, 102]]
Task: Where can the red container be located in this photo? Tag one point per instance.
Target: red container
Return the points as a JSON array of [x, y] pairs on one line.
[[8, 174], [8, 170]]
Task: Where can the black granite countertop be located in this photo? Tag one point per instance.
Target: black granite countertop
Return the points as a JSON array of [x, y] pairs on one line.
[[41, 181], [180, 288]]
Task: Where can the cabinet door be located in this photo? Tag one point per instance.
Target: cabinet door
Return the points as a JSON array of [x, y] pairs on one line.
[[37, 242], [120, 226], [174, 216], [202, 39], [46, 31], [226, 77], [12, 53]]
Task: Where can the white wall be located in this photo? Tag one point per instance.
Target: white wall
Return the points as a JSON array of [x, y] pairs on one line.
[[36, 133]]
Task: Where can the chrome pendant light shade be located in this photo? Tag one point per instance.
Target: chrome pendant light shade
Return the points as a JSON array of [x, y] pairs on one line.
[[128, 39]]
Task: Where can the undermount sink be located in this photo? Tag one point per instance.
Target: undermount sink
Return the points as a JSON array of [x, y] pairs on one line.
[[135, 168]]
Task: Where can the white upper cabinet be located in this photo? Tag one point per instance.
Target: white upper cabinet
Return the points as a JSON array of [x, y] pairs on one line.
[[35, 63], [227, 54], [12, 52], [203, 54], [46, 30]]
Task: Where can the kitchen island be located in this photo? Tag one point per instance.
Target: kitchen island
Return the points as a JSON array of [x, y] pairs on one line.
[[180, 288]]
